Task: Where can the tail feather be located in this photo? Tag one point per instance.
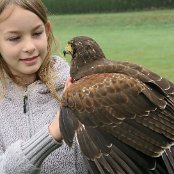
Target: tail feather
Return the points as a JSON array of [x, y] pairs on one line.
[[160, 167], [125, 161], [115, 163], [168, 159]]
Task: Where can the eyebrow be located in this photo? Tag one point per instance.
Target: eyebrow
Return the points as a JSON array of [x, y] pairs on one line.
[[16, 32], [38, 26]]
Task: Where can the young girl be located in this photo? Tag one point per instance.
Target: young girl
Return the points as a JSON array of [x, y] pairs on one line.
[[31, 82]]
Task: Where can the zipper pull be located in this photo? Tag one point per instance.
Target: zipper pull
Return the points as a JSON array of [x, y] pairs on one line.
[[25, 103]]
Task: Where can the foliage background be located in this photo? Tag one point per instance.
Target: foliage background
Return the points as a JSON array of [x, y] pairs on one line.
[[99, 6], [141, 33]]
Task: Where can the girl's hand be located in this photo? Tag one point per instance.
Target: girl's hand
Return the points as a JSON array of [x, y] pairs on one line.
[[54, 129], [68, 83], [54, 126]]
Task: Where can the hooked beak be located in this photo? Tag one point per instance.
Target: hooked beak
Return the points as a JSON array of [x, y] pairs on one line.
[[64, 53], [68, 50]]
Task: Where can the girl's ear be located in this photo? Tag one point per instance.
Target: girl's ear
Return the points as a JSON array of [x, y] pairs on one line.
[[47, 28]]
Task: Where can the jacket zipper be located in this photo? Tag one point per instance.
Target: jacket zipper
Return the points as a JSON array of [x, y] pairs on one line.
[[26, 111], [25, 102]]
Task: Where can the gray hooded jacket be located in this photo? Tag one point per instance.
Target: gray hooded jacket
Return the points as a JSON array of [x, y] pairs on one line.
[[26, 147]]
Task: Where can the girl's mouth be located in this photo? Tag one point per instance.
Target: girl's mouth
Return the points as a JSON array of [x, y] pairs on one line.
[[30, 61]]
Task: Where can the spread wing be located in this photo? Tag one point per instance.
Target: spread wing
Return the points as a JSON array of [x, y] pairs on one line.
[[111, 111]]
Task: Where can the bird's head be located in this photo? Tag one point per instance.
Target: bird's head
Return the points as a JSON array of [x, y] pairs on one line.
[[84, 52], [85, 48]]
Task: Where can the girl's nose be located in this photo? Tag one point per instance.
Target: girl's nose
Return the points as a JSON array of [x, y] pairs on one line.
[[29, 46]]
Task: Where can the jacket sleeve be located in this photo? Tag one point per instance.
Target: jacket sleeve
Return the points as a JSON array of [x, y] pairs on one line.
[[26, 157]]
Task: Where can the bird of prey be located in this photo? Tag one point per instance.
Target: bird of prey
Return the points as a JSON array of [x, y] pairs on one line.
[[122, 114]]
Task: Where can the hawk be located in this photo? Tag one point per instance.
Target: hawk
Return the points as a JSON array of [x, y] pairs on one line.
[[121, 113]]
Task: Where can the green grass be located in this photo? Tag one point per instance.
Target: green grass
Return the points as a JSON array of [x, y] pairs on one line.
[[146, 38]]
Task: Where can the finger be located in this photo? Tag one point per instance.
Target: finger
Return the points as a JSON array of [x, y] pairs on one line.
[[68, 83]]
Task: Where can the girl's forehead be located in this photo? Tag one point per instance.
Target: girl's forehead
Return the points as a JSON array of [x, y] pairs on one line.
[[18, 17], [14, 11]]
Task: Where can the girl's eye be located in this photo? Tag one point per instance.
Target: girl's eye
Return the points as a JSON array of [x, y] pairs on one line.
[[38, 33], [13, 39]]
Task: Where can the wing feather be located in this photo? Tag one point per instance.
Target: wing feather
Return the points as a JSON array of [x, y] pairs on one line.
[[127, 109], [126, 100]]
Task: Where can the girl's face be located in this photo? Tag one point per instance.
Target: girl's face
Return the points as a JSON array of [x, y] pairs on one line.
[[23, 41]]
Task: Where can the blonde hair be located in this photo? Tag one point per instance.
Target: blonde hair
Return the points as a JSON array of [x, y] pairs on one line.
[[45, 73]]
